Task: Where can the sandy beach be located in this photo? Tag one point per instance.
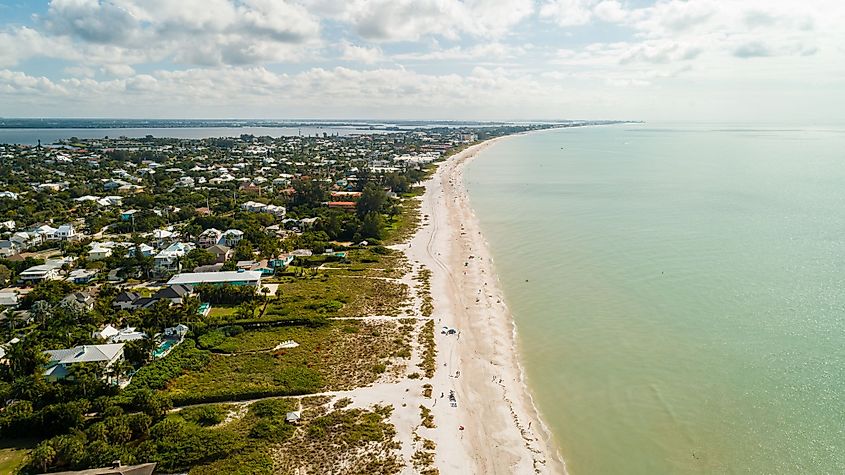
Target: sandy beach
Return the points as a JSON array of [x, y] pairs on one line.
[[495, 428]]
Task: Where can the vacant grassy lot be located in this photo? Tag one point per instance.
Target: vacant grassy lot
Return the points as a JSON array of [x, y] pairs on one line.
[[343, 441], [336, 296], [341, 355], [371, 262]]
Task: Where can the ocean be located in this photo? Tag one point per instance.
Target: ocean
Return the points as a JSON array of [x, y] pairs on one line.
[[678, 291]]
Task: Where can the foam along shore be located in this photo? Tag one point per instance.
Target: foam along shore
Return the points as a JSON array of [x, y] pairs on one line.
[[495, 427]]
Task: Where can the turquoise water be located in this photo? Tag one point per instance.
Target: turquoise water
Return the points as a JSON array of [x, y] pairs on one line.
[[679, 292]]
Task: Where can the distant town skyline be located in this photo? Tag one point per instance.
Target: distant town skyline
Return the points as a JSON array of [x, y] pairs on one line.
[[697, 60]]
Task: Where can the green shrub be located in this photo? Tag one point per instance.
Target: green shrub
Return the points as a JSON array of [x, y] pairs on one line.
[[210, 415], [156, 374]]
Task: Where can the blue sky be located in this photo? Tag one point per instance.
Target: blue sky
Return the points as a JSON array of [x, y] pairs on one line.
[[695, 60]]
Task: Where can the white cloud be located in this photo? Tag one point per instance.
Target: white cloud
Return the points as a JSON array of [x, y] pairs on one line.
[[483, 52], [567, 12], [119, 70], [411, 20], [360, 54]]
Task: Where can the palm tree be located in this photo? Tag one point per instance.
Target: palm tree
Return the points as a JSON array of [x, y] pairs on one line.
[[40, 311]]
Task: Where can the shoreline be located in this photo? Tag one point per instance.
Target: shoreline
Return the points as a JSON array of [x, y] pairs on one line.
[[496, 427]]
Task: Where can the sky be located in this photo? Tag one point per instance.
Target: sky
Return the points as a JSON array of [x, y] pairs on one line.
[[694, 60]]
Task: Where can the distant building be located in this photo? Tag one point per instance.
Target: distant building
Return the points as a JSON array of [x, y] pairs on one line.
[[217, 278], [348, 205]]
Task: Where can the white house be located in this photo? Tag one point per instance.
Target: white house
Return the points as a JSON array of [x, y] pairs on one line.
[[127, 334], [168, 259], [60, 361], [47, 271], [65, 232], [99, 252], [107, 332], [209, 237], [231, 237]]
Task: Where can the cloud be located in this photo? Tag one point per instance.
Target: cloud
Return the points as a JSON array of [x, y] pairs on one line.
[[91, 20], [754, 49], [484, 52], [567, 12], [194, 32], [360, 54], [119, 70], [412, 20]]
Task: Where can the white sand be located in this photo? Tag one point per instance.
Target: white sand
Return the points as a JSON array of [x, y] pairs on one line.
[[503, 432]]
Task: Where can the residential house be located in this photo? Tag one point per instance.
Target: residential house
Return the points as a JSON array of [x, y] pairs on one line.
[[168, 260], [231, 237], [8, 299], [126, 300], [105, 333], [253, 206], [24, 239], [221, 253], [217, 278], [99, 252], [209, 237], [176, 294], [65, 232], [82, 276], [116, 469], [179, 331], [60, 361], [82, 299], [47, 271], [127, 334], [163, 237], [128, 215], [114, 184], [8, 247]]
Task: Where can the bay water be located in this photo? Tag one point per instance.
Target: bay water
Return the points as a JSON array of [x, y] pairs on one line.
[[678, 291]]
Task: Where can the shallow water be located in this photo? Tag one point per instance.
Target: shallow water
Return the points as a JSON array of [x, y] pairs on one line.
[[678, 292]]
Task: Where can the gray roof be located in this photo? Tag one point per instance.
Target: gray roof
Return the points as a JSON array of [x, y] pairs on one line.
[[214, 277], [85, 353], [143, 469]]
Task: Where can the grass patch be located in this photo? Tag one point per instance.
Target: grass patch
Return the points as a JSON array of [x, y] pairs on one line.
[[427, 417], [13, 455], [426, 340], [424, 278], [336, 296], [403, 225], [222, 311], [328, 358], [208, 415], [357, 440]]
